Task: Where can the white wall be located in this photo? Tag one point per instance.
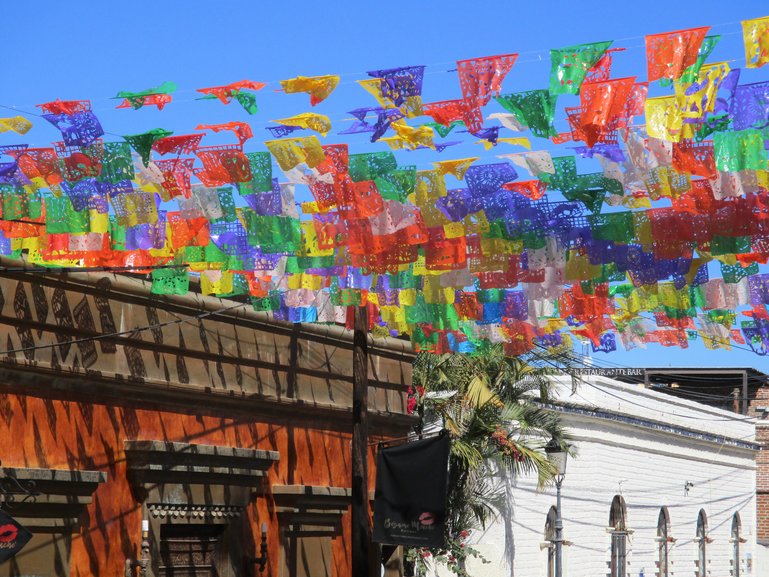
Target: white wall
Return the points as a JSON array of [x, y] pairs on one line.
[[649, 468], [761, 561]]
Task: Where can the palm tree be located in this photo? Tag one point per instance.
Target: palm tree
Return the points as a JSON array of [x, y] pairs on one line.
[[493, 407]]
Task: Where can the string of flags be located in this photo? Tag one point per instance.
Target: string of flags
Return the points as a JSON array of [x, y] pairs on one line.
[[525, 251]]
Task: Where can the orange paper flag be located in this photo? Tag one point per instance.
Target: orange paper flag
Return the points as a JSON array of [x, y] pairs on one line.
[[670, 53]]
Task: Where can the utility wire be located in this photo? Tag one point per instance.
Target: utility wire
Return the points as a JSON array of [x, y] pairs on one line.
[[625, 400], [605, 363], [538, 52], [75, 269], [638, 380], [125, 332]]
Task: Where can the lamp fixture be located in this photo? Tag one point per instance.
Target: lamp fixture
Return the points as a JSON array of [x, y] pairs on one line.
[[557, 456], [688, 485], [143, 562], [261, 561]]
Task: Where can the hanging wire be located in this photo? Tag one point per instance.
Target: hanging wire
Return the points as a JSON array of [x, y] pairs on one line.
[[131, 331], [626, 400]]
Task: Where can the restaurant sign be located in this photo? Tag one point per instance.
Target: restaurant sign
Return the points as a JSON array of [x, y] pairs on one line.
[[13, 537]]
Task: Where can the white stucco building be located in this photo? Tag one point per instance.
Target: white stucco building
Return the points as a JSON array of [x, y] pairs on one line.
[[660, 486]]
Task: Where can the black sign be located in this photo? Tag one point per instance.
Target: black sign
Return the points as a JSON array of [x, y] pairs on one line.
[[410, 497], [13, 537]]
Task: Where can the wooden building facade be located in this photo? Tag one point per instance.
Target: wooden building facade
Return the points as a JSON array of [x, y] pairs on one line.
[[182, 423]]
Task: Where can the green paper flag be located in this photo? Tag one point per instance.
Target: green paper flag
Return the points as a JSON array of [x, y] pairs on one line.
[[142, 143], [15, 202], [117, 164], [398, 184], [247, 100], [269, 303], [227, 202], [117, 234], [735, 273], [443, 130], [616, 226], [61, 217], [261, 174], [570, 65], [740, 150], [273, 234], [589, 189], [370, 165], [535, 109], [137, 99], [170, 281]]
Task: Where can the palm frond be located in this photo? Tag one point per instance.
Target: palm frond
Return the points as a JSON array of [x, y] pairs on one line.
[[498, 422]]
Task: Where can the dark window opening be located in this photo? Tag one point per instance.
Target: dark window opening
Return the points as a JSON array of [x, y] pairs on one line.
[[550, 538], [736, 541], [702, 541], [663, 538], [618, 523]]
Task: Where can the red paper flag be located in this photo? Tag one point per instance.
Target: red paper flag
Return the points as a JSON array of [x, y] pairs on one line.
[[224, 93], [241, 129], [479, 78], [447, 111], [65, 106], [181, 144], [223, 165], [533, 189], [176, 176], [670, 53], [38, 163], [602, 104]]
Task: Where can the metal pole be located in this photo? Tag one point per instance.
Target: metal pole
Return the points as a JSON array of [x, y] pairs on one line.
[[558, 528], [361, 530]]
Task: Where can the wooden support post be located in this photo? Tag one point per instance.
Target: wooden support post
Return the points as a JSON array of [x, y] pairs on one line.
[[745, 392], [361, 529]]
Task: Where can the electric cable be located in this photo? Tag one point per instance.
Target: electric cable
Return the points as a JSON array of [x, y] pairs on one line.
[[597, 387], [123, 333]]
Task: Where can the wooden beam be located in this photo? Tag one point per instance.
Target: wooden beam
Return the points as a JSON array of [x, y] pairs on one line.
[[361, 529]]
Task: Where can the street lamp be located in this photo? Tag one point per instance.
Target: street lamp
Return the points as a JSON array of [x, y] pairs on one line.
[[557, 457]]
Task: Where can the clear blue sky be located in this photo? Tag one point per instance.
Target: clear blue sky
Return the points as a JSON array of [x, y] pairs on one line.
[[92, 50]]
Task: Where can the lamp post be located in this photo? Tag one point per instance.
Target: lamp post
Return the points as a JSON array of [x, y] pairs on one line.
[[557, 457]]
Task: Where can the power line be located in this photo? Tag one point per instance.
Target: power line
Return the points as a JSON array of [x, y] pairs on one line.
[[540, 52], [365, 75], [638, 380], [75, 269], [623, 399], [125, 332]]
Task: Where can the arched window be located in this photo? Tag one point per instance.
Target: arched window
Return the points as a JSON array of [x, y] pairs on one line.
[[736, 541], [663, 540], [618, 523], [702, 544], [550, 538]]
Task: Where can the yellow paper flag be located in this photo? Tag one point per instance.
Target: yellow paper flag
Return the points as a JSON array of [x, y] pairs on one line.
[[290, 152], [456, 168], [18, 124], [317, 122], [414, 137], [318, 87], [755, 34]]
